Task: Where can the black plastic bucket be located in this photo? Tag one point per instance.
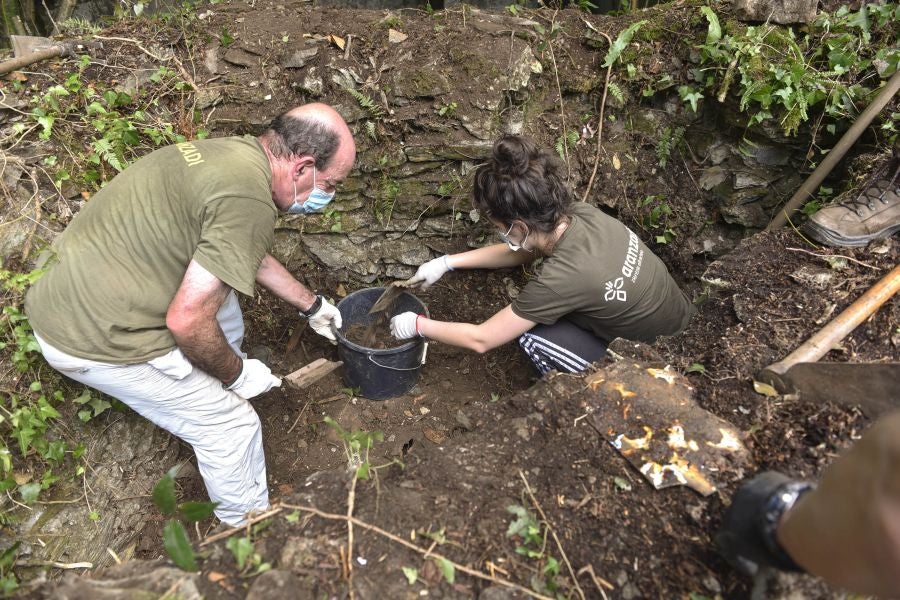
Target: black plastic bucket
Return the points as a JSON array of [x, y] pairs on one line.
[[379, 373]]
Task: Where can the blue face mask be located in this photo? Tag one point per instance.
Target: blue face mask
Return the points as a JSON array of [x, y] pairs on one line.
[[317, 200]]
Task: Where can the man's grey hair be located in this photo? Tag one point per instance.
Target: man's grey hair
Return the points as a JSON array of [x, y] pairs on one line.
[[289, 136]]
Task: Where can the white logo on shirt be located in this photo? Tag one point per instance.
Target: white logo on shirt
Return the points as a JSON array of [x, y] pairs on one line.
[[614, 290], [634, 256]]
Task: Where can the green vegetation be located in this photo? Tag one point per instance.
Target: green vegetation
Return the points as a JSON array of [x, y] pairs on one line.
[[356, 447], [30, 448], [782, 73], [175, 538], [669, 139], [100, 129], [383, 206], [447, 109], [655, 214], [532, 538]]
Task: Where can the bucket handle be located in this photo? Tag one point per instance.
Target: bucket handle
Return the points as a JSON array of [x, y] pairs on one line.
[[378, 364]]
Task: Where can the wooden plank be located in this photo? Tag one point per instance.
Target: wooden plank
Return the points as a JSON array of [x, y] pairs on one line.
[[312, 372]]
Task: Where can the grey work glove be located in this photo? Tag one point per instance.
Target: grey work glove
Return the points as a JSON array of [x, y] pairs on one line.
[[428, 273], [747, 534], [325, 320], [255, 379]]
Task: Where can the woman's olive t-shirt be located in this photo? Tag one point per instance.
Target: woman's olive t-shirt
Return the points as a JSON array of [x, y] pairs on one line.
[[121, 260], [605, 280]]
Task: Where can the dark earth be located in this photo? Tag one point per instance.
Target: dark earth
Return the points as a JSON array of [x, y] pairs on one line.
[[480, 433]]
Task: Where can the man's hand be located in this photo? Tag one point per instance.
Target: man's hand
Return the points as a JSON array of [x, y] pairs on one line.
[[747, 535], [403, 326], [255, 379], [428, 273], [323, 319]]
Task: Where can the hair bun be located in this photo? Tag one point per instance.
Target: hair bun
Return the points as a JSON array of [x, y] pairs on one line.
[[512, 155]]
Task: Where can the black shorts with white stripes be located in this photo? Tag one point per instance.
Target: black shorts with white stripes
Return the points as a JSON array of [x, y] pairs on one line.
[[563, 346]]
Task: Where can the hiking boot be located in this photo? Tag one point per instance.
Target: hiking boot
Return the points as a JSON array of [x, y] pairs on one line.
[[872, 215]]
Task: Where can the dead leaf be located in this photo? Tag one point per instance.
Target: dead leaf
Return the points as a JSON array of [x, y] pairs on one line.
[[764, 388], [341, 290], [16, 76], [285, 489], [21, 478], [86, 195], [434, 436], [617, 164], [221, 579], [337, 41], [395, 37]]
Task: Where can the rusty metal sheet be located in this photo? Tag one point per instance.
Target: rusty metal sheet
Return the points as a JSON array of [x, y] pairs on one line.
[[650, 416]]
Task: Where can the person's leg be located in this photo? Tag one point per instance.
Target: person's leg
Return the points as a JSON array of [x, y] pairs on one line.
[[562, 346], [222, 427]]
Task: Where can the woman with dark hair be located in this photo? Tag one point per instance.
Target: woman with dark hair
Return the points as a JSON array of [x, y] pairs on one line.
[[598, 281]]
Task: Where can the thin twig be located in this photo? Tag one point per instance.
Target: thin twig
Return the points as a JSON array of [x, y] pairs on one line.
[[559, 546], [598, 581], [230, 532], [587, 191], [826, 256], [54, 564], [562, 110], [351, 501], [422, 551], [297, 420]]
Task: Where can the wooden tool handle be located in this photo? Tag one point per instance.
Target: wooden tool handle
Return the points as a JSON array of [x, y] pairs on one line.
[[828, 337]]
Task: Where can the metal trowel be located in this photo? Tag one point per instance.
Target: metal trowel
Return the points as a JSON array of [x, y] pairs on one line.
[[382, 308], [390, 294]]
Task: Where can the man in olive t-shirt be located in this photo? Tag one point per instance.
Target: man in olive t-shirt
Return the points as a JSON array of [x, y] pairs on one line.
[[139, 300]]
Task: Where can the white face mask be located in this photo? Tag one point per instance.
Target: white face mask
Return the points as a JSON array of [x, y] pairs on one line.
[[317, 199], [510, 244]]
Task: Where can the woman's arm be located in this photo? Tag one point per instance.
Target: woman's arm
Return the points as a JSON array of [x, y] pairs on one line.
[[496, 331], [495, 256]]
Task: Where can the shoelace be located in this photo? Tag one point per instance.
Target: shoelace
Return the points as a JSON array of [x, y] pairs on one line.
[[863, 201]]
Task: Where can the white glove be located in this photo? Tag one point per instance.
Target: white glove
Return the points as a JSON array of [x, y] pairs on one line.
[[255, 379], [403, 326], [428, 273], [322, 320]]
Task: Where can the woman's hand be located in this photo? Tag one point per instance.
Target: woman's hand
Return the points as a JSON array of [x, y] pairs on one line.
[[403, 326], [430, 272]]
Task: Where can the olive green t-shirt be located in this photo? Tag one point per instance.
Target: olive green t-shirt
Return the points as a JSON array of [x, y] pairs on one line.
[[605, 280], [123, 257]]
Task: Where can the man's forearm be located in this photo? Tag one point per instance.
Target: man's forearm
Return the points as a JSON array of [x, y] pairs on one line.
[[274, 277], [207, 349]]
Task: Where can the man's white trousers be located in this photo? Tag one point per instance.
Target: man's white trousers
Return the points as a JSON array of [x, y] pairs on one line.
[[222, 427]]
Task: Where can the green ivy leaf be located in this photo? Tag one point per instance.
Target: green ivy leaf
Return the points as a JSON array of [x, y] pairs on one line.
[[412, 574], [197, 511], [164, 495], [9, 556], [447, 569], [293, 517], [99, 405], [178, 547], [241, 548], [29, 492]]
